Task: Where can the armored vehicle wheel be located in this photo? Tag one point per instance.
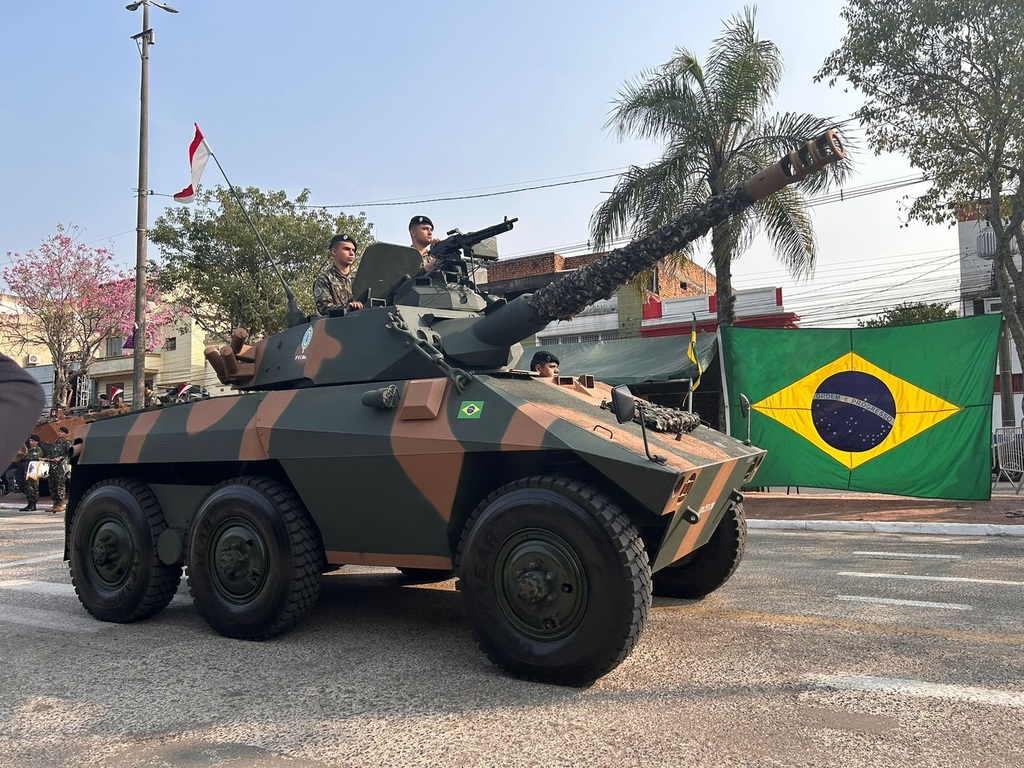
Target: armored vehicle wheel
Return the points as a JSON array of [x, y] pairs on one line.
[[711, 565], [556, 580], [426, 575], [254, 559], [113, 559]]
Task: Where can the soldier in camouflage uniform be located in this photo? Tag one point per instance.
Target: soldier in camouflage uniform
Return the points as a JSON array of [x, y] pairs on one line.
[[59, 468], [34, 453], [332, 290]]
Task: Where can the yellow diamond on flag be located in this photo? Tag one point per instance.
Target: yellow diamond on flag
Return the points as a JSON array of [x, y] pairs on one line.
[[854, 411]]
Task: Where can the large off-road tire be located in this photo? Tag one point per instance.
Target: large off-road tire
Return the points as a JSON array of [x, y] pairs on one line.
[[113, 559], [426, 575], [710, 566], [556, 580], [254, 559]]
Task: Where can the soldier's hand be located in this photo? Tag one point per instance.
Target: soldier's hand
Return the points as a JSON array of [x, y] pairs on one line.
[[354, 305]]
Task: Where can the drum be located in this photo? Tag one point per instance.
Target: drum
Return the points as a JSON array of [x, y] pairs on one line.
[[38, 470]]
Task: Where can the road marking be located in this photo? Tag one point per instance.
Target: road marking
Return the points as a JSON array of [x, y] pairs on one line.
[[893, 601], [957, 579], [764, 617], [921, 689], [39, 587], [31, 560], [61, 620], [909, 555]]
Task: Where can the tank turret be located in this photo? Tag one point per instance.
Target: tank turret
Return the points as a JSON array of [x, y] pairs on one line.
[[414, 319]]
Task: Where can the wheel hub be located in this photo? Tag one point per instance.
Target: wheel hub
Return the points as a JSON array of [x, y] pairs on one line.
[[111, 551], [541, 585], [239, 559]]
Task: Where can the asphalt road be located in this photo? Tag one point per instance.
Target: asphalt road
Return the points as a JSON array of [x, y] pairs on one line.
[[824, 649]]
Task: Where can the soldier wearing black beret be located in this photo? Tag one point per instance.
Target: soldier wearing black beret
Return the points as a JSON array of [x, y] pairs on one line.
[[545, 364], [332, 290], [421, 230]]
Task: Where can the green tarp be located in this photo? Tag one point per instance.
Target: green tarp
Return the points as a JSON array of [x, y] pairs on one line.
[[904, 410], [629, 361]]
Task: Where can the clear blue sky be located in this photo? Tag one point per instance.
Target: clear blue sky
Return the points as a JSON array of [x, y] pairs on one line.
[[380, 101]]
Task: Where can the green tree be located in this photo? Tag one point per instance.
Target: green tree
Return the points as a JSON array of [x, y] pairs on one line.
[[213, 264], [715, 125], [943, 82], [910, 313]]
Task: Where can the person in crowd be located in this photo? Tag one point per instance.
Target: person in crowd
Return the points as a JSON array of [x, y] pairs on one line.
[[421, 232], [35, 453], [545, 364], [60, 466], [332, 290], [21, 403]]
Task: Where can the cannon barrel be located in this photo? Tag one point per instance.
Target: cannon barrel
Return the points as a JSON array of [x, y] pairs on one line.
[[567, 296]]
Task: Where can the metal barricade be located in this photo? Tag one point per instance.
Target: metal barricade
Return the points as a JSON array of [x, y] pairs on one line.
[[1008, 456]]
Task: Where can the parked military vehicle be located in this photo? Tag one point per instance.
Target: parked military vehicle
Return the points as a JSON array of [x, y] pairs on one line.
[[399, 435]]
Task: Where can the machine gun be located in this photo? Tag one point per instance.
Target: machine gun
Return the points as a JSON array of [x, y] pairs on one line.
[[459, 244]]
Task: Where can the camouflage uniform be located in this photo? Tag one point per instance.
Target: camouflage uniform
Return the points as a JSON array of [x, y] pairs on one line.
[[31, 483], [332, 290], [59, 472]]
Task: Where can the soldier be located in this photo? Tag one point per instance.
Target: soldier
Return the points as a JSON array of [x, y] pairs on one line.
[[59, 468], [333, 288], [421, 231], [33, 453], [545, 364], [150, 399]]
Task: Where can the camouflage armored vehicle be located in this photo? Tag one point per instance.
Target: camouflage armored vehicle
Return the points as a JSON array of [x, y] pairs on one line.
[[399, 435]]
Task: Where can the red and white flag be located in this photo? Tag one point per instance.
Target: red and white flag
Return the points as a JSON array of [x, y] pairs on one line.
[[183, 389], [115, 392], [198, 154]]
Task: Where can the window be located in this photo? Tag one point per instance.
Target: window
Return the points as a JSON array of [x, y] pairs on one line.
[[115, 346], [171, 344]]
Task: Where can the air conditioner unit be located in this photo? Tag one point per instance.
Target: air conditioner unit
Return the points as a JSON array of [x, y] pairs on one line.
[[32, 359]]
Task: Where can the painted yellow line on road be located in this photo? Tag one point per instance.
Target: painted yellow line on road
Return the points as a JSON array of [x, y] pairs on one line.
[[849, 624]]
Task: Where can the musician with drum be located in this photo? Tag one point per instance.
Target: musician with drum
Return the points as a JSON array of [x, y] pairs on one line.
[[36, 468]]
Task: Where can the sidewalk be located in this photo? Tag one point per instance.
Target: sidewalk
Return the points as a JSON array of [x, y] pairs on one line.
[[822, 509]]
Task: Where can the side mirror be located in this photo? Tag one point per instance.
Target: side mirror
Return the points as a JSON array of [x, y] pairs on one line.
[[623, 405]]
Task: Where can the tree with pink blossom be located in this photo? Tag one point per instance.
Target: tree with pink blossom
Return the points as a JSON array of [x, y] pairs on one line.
[[71, 298]]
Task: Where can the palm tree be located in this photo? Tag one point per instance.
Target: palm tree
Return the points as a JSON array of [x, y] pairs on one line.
[[715, 125]]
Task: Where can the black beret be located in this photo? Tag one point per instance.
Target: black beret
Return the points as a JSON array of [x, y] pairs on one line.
[[415, 221], [542, 357], [33, 437], [64, 430], [342, 239]]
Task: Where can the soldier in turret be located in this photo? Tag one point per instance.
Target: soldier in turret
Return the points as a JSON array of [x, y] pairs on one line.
[[333, 288], [59, 467], [421, 231]]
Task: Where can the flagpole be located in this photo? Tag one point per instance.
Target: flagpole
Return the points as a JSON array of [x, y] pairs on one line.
[[294, 315]]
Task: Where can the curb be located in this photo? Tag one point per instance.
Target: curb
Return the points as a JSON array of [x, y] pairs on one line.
[[864, 526]]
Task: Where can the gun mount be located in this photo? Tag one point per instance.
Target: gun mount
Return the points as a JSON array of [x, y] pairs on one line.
[[558, 518]]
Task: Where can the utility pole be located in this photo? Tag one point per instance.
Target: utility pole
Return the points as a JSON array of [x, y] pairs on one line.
[[144, 40]]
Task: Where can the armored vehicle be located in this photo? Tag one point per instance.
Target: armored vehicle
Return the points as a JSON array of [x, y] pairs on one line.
[[400, 435]]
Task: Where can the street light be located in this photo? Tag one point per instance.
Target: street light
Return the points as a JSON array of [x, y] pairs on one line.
[[144, 39]]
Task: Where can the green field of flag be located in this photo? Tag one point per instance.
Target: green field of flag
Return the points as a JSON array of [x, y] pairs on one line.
[[904, 410]]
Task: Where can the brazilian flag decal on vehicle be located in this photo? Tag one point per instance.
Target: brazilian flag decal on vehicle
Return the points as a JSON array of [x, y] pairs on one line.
[[905, 410], [471, 409]]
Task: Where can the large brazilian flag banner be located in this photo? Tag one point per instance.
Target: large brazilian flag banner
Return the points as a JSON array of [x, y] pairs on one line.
[[904, 410]]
